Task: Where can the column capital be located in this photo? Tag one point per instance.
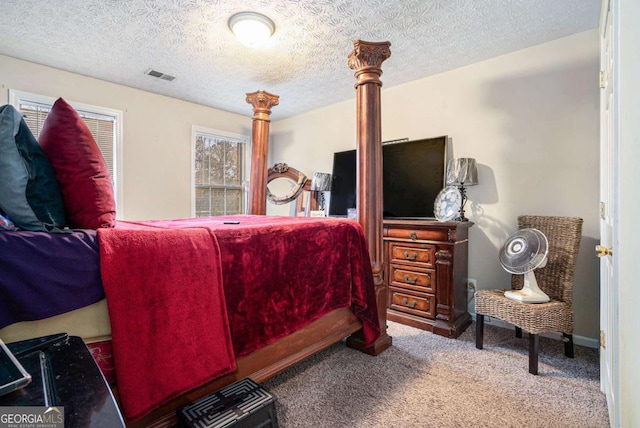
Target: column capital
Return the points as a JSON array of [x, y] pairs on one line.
[[366, 59], [262, 101]]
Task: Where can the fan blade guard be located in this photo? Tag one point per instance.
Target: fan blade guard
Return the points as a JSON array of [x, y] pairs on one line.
[[524, 251]]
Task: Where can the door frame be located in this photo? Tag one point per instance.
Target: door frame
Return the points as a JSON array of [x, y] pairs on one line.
[[626, 15], [609, 150]]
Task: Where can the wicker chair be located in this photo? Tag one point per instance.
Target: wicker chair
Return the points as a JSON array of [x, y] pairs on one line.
[[555, 279]]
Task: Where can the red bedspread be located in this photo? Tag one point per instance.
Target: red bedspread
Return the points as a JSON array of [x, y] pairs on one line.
[[282, 273], [168, 317], [279, 274]]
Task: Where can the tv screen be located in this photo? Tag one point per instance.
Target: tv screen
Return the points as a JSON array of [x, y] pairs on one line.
[[413, 173]]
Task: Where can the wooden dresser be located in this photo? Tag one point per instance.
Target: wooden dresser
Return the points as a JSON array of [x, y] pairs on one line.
[[426, 274]]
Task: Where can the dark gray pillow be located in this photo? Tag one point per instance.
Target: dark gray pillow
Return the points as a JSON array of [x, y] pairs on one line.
[[29, 193]]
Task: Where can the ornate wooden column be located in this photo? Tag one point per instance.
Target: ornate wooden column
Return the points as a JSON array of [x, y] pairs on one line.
[[262, 102], [366, 59]]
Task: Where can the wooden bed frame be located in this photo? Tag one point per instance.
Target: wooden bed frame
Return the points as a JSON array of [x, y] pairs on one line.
[[366, 60]]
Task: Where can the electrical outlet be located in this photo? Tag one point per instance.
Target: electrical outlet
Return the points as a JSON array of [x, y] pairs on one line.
[[471, 284]]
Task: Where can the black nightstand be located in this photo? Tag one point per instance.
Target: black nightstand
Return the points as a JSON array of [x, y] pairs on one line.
[[64, 374]]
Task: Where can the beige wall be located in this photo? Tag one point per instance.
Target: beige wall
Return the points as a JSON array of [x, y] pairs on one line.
[[157, 133], [530, 118]]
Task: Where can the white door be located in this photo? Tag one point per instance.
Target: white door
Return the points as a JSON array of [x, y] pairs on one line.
[[609, 377]]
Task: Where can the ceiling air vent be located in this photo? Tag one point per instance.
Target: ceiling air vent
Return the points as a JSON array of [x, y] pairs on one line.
[[159, 75]]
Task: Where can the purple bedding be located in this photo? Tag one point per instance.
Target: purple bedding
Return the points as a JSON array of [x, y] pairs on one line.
[[45, 274]]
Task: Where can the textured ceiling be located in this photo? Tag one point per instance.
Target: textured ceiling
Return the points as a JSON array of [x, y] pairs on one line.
[[305, 62]]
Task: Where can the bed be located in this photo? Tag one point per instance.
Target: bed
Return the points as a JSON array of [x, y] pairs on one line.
[[327, 316]]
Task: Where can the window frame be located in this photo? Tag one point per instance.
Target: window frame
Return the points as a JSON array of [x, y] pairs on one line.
[[197, 130], [16, 97]]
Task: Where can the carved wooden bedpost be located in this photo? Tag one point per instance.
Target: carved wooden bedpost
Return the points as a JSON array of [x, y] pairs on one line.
[[262, 102], [366, 59]]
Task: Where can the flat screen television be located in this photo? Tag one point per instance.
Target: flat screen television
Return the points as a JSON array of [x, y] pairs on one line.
[[413, 173]]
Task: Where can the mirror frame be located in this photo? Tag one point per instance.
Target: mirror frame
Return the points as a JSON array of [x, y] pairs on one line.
[[282, 170]]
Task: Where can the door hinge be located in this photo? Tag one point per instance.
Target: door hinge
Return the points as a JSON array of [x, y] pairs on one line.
[[602, 210], [602, 341], [602, 82]]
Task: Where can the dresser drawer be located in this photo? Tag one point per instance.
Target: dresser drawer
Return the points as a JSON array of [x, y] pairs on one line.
[[418, 281], [434, 234], [423, 305], [418, 255]]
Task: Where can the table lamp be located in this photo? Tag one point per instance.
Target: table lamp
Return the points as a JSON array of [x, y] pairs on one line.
[[462, 172], [321, 182]]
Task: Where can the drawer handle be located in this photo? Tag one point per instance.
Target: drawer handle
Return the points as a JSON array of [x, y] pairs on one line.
[[410, 281], [413, 235], [406, 303], [413, 257]]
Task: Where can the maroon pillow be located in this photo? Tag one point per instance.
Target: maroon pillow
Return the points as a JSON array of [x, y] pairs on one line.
[[81, 171]]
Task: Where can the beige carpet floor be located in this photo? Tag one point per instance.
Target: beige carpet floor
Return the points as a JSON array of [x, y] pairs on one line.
[[425, 380]]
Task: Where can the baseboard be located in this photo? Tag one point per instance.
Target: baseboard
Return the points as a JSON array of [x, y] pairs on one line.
[[578, 340]]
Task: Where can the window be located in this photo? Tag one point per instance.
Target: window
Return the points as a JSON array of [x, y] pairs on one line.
[[105, 126], [220, 168]]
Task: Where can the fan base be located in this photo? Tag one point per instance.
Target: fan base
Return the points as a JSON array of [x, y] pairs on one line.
[[530, 293], [526, 297]]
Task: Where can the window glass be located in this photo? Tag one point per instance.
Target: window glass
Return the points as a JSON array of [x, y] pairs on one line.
[[219, 171]]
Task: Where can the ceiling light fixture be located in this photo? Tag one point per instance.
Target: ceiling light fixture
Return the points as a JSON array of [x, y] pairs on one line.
[[252, 29]]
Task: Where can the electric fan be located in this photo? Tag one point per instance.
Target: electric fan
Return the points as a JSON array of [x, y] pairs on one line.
[[525, 251]]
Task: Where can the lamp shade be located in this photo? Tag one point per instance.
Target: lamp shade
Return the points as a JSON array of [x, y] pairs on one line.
[[252, 29], [462, 172], [321, 182]]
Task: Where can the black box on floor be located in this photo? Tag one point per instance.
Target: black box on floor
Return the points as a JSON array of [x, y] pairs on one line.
[[243, 404]]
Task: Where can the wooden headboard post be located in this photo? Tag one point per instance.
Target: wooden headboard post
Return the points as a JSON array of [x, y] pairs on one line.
[[262, 102], [366, 59]]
